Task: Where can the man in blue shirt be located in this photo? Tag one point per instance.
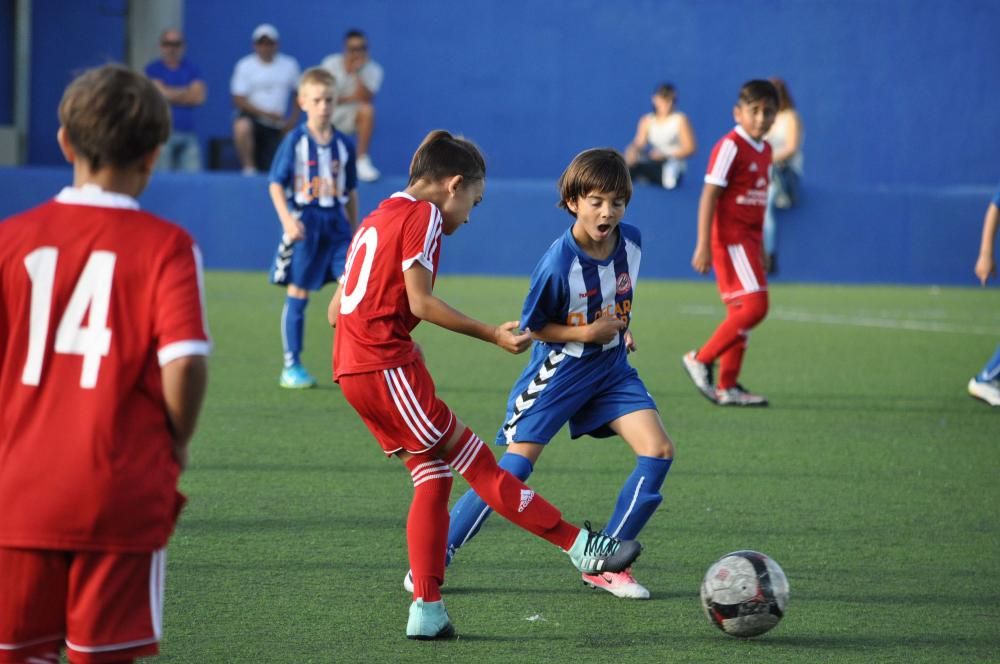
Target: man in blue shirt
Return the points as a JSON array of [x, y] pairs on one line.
[[181, 83]]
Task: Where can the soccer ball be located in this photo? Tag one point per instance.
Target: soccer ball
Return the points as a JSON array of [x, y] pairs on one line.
[[744, 593]]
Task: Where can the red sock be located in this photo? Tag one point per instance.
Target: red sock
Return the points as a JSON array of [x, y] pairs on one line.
[[508, 496], [427, 525], [743, 314], [730, 363]]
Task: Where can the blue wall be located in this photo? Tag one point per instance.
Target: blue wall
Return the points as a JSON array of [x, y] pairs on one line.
[[66, 38], [892, 91], [859, 235]]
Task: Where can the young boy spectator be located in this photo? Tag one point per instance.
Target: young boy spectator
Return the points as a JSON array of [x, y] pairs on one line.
[[181, 83], [579, 307], [730, 219], [986, 384], [312, 186], [358, 80], [386, 291], [102, 374], [262, 85]]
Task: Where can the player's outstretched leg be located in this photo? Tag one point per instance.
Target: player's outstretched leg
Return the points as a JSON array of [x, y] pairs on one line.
[[470, 512], [590, 551], [637, 501]]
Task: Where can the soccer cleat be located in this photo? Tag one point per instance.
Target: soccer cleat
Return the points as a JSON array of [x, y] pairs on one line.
[[988, 391], [366, 169], [596, 552], [620, 584], [296, 377], [700, 374], [738, 395], [428, 621]]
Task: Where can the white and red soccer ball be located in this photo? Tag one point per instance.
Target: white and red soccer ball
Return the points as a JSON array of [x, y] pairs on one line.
[[744, 593]]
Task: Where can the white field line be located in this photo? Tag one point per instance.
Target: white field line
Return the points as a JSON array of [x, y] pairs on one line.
[[879, 322]]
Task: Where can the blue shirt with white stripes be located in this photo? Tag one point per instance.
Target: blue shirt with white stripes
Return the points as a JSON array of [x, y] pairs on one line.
[[569, 287], [314, 174]]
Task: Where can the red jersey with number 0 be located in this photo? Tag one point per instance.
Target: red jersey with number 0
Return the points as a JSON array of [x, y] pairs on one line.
[[375, 321], [95, 296], [740, 165]]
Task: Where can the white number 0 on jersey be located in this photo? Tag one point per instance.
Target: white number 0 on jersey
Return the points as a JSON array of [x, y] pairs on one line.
[[369, 240], [92, 292]]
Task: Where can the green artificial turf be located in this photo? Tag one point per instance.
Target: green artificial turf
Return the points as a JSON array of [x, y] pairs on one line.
[[871, 479]]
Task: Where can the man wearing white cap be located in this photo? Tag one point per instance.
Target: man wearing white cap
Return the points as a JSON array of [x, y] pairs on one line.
[[262, 84]]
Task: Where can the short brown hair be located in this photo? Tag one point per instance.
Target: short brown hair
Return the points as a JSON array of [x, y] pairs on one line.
[[597, 169], [317, 76], [442, 155], [113, 116], [757, 90]]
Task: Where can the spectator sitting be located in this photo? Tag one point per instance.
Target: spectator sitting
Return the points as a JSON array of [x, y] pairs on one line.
[[183, 86], [358, 80], [670, 140], [786, 137], [262, 84]]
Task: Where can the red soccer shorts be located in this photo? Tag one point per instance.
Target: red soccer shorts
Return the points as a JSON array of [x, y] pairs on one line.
[[400, 407], [739, 269], [104, 606]]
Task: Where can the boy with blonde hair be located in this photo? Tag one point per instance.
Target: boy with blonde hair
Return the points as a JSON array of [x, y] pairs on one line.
[[313, 188]]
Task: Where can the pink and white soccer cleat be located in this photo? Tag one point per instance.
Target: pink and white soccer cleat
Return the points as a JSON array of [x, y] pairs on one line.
[[619, 584]]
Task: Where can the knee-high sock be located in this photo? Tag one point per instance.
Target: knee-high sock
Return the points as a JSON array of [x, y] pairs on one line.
[[470, 512], [639, 497], [992, 369], [743, 314], [508, 495], [293, 318], [427, 525]]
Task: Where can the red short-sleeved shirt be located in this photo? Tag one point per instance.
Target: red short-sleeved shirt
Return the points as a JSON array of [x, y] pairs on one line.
[[740, 165], [95, 296], [375, 321]]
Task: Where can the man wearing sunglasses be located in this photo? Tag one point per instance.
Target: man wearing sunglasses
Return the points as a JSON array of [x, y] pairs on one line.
[[181, 83]]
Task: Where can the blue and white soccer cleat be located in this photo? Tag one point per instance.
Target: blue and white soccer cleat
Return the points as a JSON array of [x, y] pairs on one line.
[[595, 552], [296, 377], [428, 621]]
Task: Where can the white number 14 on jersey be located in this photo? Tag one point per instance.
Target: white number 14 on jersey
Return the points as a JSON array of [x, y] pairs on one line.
[[92, 292]]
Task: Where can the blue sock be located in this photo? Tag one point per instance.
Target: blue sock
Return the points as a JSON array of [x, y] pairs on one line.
[[293, 319], [639, 497], [992, 369], [470, 512]]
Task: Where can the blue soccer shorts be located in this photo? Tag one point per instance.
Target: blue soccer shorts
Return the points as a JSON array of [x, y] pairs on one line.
[[588, 392], [317, 259]]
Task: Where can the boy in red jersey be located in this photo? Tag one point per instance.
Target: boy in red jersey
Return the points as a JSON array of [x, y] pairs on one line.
[[386, 290], [730, 223], [102, 373]]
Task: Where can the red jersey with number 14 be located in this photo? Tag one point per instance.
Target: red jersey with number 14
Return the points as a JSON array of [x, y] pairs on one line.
[[95, 296], [375, 321], [741, 165]]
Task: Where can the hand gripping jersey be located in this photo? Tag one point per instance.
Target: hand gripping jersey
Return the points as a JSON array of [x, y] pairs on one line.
[[741, 165], [569, 287], [95, 296], [374, 322]]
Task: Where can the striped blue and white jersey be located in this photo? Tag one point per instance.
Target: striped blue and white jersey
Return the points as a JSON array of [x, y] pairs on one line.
[[313, 174], [568, 287]]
